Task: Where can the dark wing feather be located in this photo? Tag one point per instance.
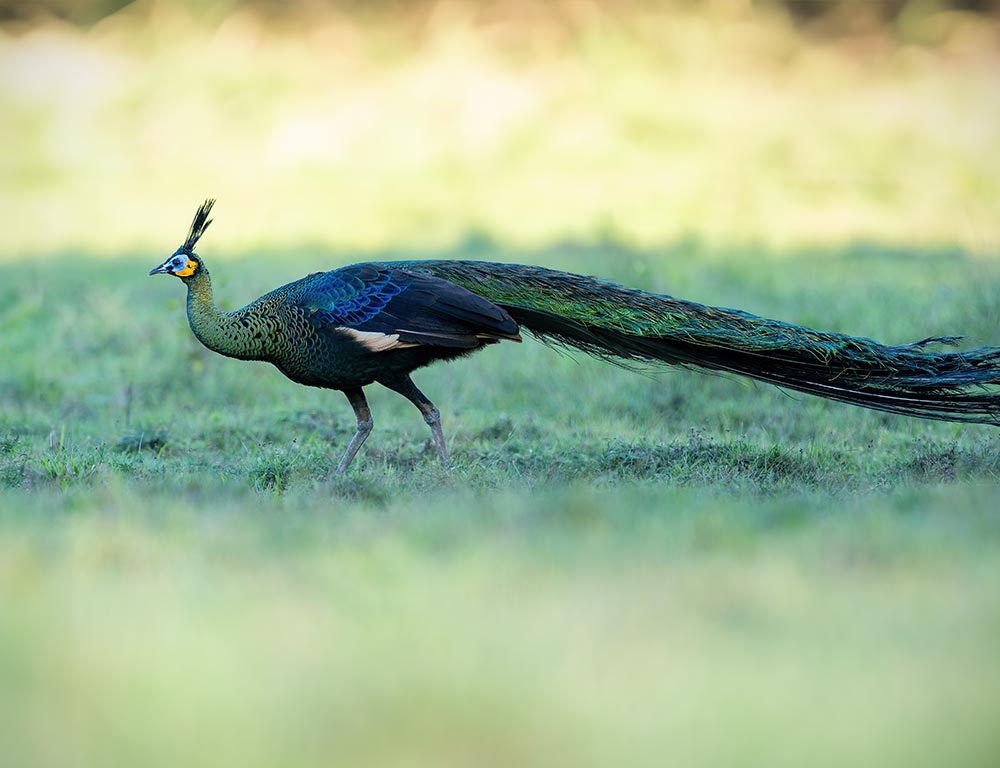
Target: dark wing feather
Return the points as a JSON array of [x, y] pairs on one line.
[[419, 308]]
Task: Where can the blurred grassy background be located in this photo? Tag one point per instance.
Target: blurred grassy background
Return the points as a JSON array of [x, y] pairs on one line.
[[366, 125], [619, 569]]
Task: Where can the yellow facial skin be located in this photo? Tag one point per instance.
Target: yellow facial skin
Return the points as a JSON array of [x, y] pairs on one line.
[[188, 270]]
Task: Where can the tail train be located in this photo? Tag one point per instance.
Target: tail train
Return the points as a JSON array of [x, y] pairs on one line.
[[625, 324]]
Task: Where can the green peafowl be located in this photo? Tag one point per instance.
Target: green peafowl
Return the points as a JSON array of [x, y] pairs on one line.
[[378, 322]]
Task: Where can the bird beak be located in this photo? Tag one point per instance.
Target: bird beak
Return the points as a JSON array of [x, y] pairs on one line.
[[163, 269]]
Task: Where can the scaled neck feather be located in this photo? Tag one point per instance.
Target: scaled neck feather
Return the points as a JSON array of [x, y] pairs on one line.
[[233, 334]]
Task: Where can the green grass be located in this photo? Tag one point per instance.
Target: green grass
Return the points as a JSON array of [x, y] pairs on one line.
[[562, 627], [617, 567]]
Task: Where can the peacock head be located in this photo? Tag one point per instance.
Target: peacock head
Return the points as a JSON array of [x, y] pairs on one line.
[[184, 262]]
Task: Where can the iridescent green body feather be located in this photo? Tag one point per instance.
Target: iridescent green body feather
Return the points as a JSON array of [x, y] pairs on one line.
[[286, 327], [378, 322]]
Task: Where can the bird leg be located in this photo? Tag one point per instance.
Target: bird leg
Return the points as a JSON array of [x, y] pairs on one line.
[[404, 385], [356, 397]]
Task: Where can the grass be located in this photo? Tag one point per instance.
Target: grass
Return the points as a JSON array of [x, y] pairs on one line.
[[620, 568], [617, 563], [565, 627]]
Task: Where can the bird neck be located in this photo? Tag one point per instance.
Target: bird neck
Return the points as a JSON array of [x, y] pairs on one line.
[[228, 333]]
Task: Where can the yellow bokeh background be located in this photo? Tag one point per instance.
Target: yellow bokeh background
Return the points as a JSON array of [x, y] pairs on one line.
[[365, 127]]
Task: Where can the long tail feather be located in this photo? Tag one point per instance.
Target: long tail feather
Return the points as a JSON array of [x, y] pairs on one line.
[[625, 324]]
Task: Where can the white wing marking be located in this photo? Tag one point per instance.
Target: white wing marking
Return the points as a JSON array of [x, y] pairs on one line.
[[375, 341]]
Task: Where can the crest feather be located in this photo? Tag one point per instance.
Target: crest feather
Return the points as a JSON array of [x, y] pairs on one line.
[[198, 225]]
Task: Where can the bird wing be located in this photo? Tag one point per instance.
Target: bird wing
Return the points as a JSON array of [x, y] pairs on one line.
[[385, 308]]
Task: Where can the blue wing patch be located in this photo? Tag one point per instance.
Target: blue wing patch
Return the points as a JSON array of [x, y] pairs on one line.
[[350, 296]]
